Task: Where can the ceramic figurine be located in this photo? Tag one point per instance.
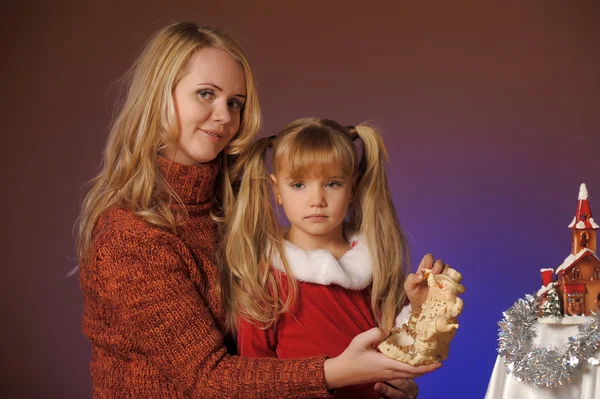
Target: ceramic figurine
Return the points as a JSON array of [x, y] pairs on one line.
[[426, 338]]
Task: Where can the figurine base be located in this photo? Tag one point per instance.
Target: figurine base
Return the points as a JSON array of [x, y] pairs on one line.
[[401, 346]]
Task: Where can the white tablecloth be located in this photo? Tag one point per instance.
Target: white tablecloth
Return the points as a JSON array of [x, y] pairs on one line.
[[585, 383]]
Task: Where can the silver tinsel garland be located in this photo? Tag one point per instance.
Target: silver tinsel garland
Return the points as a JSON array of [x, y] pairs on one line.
[[543, 367]]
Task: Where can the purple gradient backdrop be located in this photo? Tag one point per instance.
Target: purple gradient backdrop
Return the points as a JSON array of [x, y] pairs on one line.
[[491, 114]]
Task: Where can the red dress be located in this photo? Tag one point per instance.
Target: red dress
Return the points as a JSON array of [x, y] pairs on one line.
[[326, 315]]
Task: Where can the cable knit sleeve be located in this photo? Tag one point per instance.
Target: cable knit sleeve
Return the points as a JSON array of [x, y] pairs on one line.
[[159, 315]]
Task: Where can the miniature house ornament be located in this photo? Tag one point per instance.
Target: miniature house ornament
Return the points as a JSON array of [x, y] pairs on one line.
[[576, 291], [571, 298]]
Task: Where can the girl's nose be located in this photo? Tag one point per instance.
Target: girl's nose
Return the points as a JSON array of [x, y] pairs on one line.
[[318, 198]]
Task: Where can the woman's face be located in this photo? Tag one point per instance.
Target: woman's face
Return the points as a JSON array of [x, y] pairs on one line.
[[208, 102]]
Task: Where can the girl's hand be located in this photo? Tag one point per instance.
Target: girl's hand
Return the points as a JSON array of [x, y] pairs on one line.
[[361, 363], [415, 286]]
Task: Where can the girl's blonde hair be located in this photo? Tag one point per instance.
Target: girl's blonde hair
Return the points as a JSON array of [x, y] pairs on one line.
[[310, 146], [147, 123]]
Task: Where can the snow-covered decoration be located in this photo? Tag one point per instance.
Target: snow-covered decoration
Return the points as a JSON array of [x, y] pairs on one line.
[[554, 320], [577, 288], [546, 276], [572, 259], [545, 288], [583, 216], [581, 225], [570, 320], [583, 192], [551, 306]]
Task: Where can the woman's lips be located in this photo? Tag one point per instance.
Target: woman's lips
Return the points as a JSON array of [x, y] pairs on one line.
[[212, 135]]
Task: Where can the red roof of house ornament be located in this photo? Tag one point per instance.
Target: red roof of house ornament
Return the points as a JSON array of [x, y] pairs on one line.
[[583, 216], [572, 288]]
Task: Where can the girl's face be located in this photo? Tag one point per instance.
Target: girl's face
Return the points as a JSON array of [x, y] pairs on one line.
[[208, 102], [315, 206]]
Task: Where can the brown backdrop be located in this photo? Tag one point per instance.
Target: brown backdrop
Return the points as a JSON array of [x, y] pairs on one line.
[[488, 107]]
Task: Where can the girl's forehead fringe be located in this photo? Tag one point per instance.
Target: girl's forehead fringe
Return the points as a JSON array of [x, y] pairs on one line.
[[317, 170], [316, 165], [316, 151]]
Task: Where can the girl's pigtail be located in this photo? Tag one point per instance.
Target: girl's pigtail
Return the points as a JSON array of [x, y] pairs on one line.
[[376, 219], [251, 237]]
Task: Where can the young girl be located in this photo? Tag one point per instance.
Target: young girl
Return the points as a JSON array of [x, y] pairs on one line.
[[152, 303], [339, 269]]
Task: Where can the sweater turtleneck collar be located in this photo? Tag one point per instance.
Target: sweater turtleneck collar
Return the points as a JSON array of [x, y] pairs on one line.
[[195, 184]]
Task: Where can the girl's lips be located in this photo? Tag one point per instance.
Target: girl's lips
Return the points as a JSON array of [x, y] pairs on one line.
[[316, 218]]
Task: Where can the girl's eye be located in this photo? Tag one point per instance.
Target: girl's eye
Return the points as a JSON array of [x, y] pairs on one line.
[[235, 104], [206, 94], [333, 184], [297, 186]]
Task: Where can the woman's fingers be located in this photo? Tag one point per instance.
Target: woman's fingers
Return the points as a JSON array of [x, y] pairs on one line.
[[402, 388], [390, 392]]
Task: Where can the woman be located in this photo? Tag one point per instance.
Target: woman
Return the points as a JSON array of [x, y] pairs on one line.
[[153, 302]]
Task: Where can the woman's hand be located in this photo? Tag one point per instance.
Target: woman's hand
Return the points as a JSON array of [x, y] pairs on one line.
[[402, 388], [415, 286], [361, 363]]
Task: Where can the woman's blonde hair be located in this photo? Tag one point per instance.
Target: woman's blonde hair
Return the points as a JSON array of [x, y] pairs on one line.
[[147, 123], [310, 147]]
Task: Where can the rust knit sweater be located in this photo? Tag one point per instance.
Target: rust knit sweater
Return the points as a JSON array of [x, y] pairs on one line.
[[153, 316]]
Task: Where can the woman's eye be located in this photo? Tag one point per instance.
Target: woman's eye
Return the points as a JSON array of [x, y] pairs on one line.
[[206, 94], [235, 104]]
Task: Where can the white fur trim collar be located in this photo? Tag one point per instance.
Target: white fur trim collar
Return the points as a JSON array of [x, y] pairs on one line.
[[354, 270]]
